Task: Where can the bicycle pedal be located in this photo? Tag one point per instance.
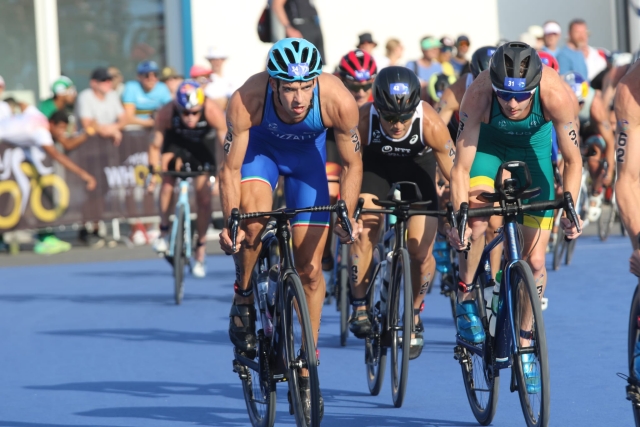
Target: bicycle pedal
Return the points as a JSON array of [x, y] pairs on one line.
[[240, 369]]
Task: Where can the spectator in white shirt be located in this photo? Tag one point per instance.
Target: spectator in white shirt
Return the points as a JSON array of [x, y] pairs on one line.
[[5, 109], [221, 87], [579, 37], [99, 108]]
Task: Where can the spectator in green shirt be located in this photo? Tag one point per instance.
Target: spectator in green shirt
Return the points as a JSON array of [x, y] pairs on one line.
[[64, 95]]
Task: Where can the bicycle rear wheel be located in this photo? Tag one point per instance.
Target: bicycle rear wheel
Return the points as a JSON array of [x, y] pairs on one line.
[[259, 389], [527, 315], [300, 350], [400, 319], [481, 380], [571, 247], [634, 336], [178, 257], [559, 249], [605, 222], [343, 293], [375, 355]]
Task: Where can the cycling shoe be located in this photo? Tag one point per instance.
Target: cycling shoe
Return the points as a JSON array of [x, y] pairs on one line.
[[530, 373], [468, 323], [359, 326], [243, 337], [417, 343]]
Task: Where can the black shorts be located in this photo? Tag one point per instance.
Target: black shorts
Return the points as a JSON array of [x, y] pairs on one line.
[[197, 154], [380, 172]]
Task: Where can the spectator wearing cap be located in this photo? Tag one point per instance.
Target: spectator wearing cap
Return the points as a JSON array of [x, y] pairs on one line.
[[64, 95], [99, 109], [366, 43], [537, 33], [222, 86], [444, 58], [571, 59], [172, 79], [460, 61], [142, 97], [551, 37], [200, 74], [299, 19], [5, 109], [428, 65]]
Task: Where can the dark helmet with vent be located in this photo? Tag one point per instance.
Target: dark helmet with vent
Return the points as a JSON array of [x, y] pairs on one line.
[[396, 90], [516, 66]]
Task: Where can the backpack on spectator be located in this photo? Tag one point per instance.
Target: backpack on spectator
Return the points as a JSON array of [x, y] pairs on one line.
[[264, 26]]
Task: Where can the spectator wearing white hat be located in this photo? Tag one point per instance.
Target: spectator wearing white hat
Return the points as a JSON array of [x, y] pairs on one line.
[[5, 109], [551, 36], [221, 87], [538, 34]]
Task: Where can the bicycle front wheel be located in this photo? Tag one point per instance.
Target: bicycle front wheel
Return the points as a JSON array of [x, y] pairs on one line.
[[300, 348], [634, 336], [343, 295], [400, 325], [531, 366], [559, 249], [375, 355], [178, 257]]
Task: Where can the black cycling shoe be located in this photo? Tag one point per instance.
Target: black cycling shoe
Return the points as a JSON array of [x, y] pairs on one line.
[[417, 343], [243, 337], [360, 327], [305, 398]]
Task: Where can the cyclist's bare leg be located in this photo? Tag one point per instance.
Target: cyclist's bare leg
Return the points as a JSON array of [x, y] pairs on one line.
[[478, 227], [536, 260], [421, 235], [203, 199], [495, 222], [255, 196], [166, 193], [361, 251], [308, 244]]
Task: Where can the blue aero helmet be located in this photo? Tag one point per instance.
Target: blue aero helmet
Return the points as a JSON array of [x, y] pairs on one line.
[[294, 60], [189, 95]]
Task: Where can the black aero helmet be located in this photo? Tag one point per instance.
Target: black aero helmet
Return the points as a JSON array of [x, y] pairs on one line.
[[396, 90], [515, 66], [481, 59]]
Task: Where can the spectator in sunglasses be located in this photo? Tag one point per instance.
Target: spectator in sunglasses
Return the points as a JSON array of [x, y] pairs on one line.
[[143, 97], [460, 60]]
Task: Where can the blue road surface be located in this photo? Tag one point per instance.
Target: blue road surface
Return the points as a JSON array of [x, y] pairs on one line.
[[102, 344]]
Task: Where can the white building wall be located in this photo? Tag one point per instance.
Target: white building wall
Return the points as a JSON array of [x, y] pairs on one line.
[[232, 25]]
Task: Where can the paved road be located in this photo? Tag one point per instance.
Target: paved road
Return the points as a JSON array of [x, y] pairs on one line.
[[102, 344]]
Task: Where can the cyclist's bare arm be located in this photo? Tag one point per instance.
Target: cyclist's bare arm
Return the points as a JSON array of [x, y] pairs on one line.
[[132, 119], [600, 117], [609, 83], [160, 127], [450, 101], [473, 111], [436, 135], [340, 112], [627, 109], [555, 99]]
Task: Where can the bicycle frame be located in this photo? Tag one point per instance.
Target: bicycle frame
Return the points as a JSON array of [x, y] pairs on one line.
[[506, 335], [183, 200]]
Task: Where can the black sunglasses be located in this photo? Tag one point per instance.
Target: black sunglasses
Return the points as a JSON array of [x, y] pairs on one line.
[[187, 113], [355, 87], [147, 75], [396, 118]]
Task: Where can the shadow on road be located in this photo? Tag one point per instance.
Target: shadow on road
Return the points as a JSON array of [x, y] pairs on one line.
[[150, 334], [148, 389], [163, 299]]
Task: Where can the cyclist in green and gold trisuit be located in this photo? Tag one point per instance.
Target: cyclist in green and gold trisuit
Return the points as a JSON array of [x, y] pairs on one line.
[[508, 113]]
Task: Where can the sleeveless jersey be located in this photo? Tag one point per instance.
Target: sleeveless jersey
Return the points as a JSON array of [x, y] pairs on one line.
[[410, 145], [534, 130], [180, 134], [309, 131]]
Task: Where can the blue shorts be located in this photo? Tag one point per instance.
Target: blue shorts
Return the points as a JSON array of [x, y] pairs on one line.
[[303, 168]]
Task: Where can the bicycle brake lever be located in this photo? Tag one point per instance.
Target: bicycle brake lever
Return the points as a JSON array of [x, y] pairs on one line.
[[358, 211], [343, 215], [451, 217], [571, 211], [234, 221], [462, 226]]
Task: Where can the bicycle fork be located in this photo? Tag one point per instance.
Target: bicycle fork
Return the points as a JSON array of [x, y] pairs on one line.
[[183, 200]]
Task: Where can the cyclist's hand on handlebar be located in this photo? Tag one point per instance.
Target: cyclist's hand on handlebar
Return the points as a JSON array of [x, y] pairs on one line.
[[570, 230], [634, 263], [454, 238], [225, 241], [356, 226]]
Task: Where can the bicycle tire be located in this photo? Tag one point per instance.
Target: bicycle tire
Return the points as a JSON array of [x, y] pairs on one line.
[[634, 336], [525, 303], [559, 249], [375, 353], [262, 409], [481, 382], [605, 222], [400, 317], [571, 247], [296, 316], [343, 283], [178, 257]]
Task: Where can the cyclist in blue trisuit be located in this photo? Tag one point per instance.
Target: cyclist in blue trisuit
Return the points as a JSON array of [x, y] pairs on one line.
[[277, 123], [404, 139], [507, 114], [180, 137]]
